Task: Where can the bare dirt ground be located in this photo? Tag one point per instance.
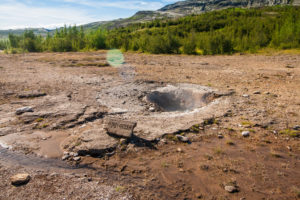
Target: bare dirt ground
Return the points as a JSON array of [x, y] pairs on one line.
[[69, 94]]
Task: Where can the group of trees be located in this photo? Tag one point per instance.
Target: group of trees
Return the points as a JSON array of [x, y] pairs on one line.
[[63, 40], [3, 44], [218, 32]]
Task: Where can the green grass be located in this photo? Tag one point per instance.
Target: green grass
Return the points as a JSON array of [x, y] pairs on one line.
[[230, 129], [45, 125], [77, 143], [251, 130], [218, 151], [195, 128], [275, 154], [208, 157], [229, 142], [165, 165], [171, 137], [290, 132], [247, 123], [39, 119], [120, 189]]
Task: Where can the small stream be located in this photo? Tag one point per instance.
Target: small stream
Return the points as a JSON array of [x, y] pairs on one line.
[[8, 157]]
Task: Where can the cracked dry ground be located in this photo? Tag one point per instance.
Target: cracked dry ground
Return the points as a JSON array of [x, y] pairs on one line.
[[266, 103]]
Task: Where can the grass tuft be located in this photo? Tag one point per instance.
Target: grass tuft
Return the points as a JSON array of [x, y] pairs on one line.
[[290, 132], [229, 142]]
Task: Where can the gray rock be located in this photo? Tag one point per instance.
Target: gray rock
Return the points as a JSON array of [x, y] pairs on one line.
[[76, 158], [231, 189], [32, 94], [220, 136], [297, 127], [53, 174], [65, 157], [246, 133], [182, 138], [151, 109], [74, 154], [20, 179], [245, 95], [110, 153], [204, 167], [20, 111]]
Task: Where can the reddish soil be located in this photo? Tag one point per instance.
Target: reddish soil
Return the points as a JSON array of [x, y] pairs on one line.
[[266, 103]]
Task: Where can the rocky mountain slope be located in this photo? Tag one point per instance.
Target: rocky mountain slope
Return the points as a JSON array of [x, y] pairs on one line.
[[198, 6]]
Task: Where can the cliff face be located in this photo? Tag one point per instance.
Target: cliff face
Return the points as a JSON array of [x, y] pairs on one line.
[[199, 6]]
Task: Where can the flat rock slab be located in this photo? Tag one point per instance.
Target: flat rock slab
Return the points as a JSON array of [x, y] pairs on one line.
[[5, 131], [31, 94], [20, 111], [93, 141], [119, 127]]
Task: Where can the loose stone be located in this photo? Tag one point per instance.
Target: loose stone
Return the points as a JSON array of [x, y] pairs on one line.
[[246, 133], [20, 179]]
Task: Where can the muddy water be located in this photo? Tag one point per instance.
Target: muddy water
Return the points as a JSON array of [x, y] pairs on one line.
[[51, 147], [9, 157]]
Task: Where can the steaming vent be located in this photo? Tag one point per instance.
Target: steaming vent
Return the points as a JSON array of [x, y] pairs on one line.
[[185, 97]]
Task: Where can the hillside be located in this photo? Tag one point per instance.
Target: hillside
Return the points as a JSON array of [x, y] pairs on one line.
[[189, 7], [37, 31], [178, 9]]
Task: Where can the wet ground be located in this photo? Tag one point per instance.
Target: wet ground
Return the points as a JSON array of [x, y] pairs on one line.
[[211, 101]]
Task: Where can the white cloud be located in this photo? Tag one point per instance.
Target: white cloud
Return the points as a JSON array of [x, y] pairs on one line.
[[126, 4], [55, 13], [19, 15]]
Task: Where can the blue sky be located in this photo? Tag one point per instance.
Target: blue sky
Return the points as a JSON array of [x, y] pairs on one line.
[[56, 13]]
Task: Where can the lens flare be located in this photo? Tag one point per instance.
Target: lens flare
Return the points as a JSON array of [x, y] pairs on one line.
[[115, 58]]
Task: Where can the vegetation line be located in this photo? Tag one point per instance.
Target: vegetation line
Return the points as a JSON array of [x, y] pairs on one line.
[[218, 32]]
